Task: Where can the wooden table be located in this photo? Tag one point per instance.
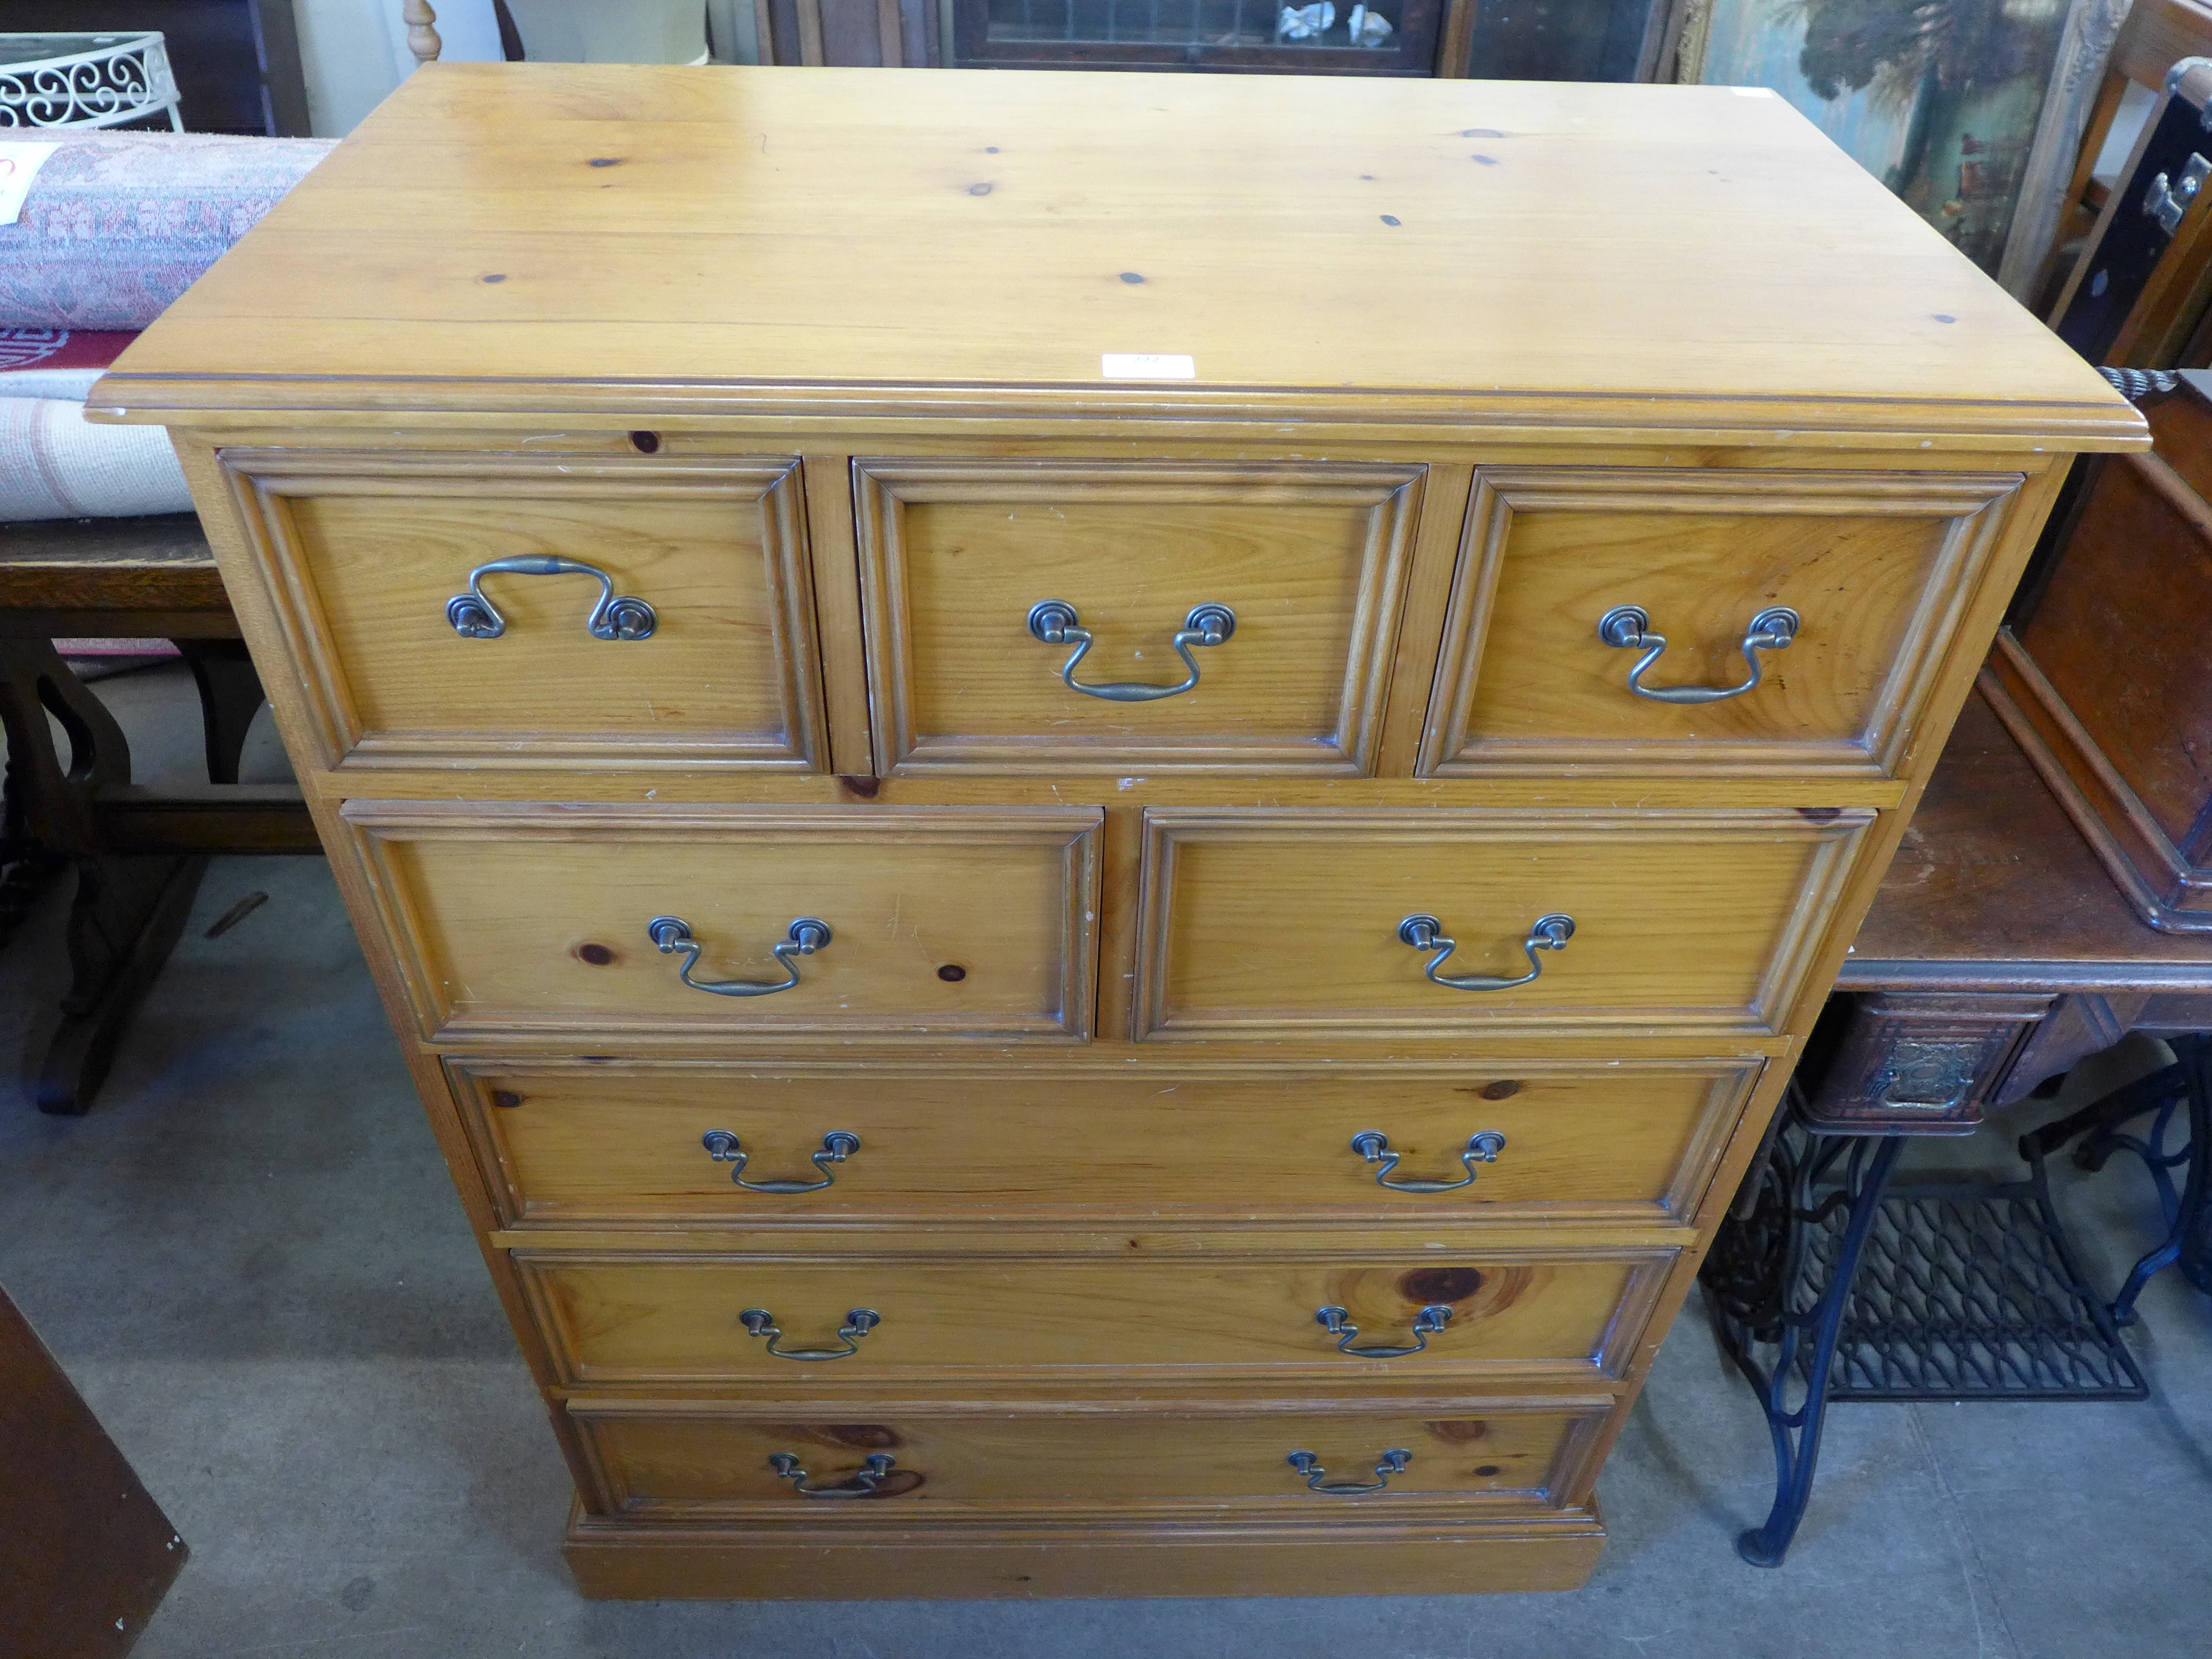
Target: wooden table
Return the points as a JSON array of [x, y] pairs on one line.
[[138, 854]]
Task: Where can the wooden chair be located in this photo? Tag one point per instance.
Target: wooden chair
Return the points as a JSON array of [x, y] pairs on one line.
[[138, 854]]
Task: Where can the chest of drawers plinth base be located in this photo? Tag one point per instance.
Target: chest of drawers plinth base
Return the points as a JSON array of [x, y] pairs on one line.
[[1091, 1556]]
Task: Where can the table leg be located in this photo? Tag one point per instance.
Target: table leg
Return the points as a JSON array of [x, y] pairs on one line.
[[2184, 1083], [1752, 1277], [128, 910]]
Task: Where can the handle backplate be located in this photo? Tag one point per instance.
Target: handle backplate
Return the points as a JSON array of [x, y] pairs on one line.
[[1628, 628], [613, 617], [1055, 622], [1308, 1466], [672, 933], [759, 1322], [724, 1148], [1425, 933], [861, 1483], [1337, 1321], [1482, 1148]]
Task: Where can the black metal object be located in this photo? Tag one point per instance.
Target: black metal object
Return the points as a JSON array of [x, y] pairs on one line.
[[2183, 1091], [1836, 1282], [1763, 1300], [2135, 238]]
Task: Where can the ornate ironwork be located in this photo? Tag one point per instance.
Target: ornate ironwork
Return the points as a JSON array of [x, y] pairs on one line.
[[2181, 1092], [1834, 1285], [86, 80]]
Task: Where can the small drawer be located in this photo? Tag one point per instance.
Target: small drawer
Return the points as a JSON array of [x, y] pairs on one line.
[[579, 1143], [1226, 615], [533, 610], [1459, 922], [691, 1460], [643, 922], [1616, 620], [1067, 1309]]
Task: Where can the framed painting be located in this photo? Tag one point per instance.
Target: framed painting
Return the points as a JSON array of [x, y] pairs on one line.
[[1941, 100]]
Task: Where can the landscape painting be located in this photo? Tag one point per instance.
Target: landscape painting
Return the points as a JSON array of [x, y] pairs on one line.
[[1938, 99]]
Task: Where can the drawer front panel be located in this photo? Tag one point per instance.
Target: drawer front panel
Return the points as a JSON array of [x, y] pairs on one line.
[[1310, 560], [582, 1144], [638, 1320], [704, 1462], [1263, 923], [1876, 570], [952, 921], [376, 561]]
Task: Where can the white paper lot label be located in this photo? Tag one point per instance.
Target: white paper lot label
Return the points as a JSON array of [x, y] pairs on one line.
[[18, 165], [1148, 366]]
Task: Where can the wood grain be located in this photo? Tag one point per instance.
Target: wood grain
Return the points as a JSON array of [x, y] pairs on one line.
[[1260, 924], [643, 1320], [365, 550], [1004, 209], [1007, 897], [583, 1144], [703, 1465], [1308, 1557], [1874, 567], [1311, 560]]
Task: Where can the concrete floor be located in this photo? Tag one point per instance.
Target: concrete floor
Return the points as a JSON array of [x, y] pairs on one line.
[[250, 1259]]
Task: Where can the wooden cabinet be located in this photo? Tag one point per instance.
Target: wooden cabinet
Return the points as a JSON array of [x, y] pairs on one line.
[[1128, 974]]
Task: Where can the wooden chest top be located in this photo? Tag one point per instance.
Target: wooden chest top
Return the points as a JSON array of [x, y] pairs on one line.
[[565, 238]]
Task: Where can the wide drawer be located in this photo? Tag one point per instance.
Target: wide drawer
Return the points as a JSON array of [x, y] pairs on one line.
[[576, 1143], [1272, 588], [661, 1319], [1452, 922], [541, 610], [702, 1461], [1871, 570], [728, 921]]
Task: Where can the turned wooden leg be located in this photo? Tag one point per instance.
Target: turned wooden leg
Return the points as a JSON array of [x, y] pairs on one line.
[[421, 30], [128, 911], [230, 697]]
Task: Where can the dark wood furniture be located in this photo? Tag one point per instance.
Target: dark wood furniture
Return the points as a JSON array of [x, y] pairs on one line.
[[86, 1555], [1212, 34], [1996, 954], [2103, 663], [138, 854], [1539, 40]]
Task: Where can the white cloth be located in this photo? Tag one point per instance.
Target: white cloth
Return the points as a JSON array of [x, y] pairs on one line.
[[56, 464]]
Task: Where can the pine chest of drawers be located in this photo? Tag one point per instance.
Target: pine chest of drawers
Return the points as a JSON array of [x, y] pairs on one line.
[[1101, 809]]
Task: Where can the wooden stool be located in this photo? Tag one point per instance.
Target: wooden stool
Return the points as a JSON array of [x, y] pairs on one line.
[[138, 854]]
